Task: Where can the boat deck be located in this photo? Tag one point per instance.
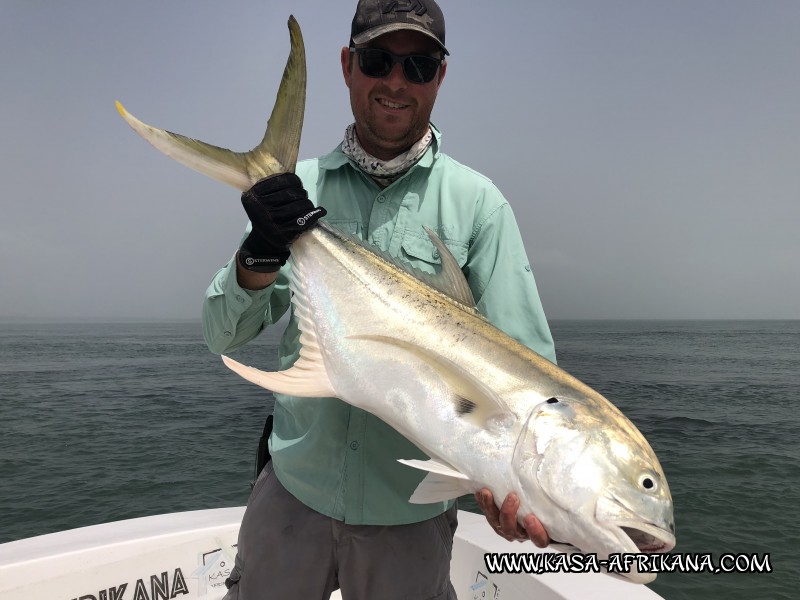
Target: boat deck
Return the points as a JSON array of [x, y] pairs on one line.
[[189, 555]]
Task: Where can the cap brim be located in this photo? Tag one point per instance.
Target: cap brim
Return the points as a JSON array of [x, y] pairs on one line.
[[376, 32]]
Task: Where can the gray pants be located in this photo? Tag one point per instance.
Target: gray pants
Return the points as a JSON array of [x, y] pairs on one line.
[[288, 551]]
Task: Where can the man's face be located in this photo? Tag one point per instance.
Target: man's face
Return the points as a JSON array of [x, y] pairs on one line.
[[391, 113]]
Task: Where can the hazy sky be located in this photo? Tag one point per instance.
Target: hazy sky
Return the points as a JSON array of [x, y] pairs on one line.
[[650, 149]]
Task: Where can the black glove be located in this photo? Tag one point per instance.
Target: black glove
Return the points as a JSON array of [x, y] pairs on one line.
[[279, 211]]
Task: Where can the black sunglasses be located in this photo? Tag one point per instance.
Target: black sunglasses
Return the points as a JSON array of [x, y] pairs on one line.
[[418, 68]]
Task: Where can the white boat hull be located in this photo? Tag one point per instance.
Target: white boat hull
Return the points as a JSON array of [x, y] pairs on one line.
[[189, 555]]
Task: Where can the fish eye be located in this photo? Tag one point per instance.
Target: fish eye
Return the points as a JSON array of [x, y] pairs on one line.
[[647, 481]]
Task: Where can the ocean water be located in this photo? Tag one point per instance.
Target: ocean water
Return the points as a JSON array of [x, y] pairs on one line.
[[108, 421]]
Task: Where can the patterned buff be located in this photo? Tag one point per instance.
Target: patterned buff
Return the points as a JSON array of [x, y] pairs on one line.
[[383, 172]]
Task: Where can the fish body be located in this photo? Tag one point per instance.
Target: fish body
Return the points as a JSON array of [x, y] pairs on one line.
[[491, 412], [412, 349]]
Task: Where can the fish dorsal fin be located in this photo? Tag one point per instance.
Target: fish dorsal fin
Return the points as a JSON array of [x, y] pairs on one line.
[[277, 152], [450, 281], [442, 482]]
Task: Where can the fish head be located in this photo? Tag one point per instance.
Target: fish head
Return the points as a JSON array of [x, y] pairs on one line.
[[593, 480]]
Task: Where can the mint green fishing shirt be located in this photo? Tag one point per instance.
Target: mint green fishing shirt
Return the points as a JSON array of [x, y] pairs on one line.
[[340, 460]]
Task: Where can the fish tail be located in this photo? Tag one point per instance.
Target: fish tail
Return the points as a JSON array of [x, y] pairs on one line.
[[277, 152]]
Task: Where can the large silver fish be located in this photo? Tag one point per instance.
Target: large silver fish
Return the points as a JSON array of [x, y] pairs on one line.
[[412, 349]]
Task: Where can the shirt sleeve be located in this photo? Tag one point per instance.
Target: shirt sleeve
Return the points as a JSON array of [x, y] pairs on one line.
[[232, 315], [503, 284]]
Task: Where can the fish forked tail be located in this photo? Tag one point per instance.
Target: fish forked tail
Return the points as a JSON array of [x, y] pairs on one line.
[[277, 152]]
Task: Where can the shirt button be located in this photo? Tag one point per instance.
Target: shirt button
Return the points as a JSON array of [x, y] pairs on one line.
[[435, 254], [228, 334], [239, 298], [381, 199], [528, 268], [354, 445]]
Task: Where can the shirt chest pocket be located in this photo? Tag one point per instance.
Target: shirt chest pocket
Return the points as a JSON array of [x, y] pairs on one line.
[[420, 252], [350, 226]]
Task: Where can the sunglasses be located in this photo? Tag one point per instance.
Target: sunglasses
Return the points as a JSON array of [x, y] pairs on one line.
[[417, 68]]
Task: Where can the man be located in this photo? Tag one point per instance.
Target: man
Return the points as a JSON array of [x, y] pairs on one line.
[[331, 509]]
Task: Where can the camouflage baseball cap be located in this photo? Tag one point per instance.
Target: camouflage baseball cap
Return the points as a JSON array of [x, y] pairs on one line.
[[374, 18]]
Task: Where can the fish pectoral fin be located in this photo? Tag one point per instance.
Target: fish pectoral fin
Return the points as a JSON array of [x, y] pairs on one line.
[[307, 378], [441, 483], [471, 399]]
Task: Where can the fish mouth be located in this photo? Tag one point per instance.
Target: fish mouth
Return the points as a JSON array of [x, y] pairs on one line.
[[648, 538], [633, 533], [640, 537]]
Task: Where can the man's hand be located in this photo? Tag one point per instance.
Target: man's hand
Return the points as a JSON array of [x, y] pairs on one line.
[[504, 519], [279, 211]]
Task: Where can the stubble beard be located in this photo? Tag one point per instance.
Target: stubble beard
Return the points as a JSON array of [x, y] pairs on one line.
[[385, 142]]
